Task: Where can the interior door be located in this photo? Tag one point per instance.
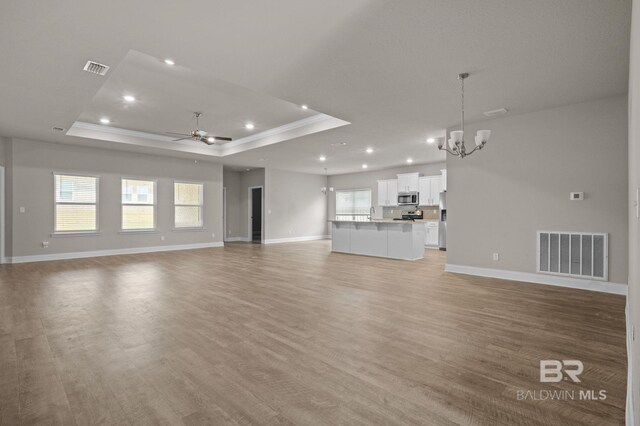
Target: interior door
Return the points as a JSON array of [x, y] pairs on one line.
[[256, 214]]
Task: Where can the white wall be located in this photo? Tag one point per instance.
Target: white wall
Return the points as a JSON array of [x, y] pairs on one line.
[[31, 165], [499, 197], [370, 179], [633, 298], [295, 207]]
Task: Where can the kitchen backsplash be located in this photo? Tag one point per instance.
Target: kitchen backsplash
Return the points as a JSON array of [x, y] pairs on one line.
[[429, 213]]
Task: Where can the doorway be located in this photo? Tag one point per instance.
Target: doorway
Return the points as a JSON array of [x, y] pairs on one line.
[[255, 214]]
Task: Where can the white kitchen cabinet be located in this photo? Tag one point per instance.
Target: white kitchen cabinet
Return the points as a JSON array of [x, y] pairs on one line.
[[408, 182], [430, 188], [436, 185], [431, 234], [443, 185], [388, 192]]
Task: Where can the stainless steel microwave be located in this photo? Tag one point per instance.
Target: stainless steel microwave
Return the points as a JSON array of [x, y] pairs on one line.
[[408, 199]]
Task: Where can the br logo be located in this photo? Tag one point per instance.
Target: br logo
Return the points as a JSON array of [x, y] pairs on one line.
[[553, 370]]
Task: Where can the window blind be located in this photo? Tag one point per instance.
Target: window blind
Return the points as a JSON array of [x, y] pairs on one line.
[[138, 204], [353, 204], [76, 200], [188, 201]]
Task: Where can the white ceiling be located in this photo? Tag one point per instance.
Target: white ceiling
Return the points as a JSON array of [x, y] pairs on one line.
[[389, 68]]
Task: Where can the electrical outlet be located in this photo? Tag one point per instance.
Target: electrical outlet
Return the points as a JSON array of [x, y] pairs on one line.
[[162, 238], [22, 209], [496, 256], [45, 244], [213, 235]]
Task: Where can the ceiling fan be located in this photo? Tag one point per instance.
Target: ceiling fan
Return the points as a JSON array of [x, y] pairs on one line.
[[199, 135]]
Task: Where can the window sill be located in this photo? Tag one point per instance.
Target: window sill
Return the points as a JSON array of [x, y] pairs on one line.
[[195, 229], [138, 231], [76, 234]]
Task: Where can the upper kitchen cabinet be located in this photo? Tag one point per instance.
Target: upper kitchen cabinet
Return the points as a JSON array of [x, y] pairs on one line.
[[409, 182], [429, 189], [388, 192]]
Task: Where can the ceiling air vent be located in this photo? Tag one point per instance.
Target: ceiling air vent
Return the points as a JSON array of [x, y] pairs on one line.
[[96, 68], [495, 112]]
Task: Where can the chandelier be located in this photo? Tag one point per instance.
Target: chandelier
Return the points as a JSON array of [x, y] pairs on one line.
[[456, 139]]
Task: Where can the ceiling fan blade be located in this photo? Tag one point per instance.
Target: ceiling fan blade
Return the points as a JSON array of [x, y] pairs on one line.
[[221, 138], [181, 139], [177, 134]]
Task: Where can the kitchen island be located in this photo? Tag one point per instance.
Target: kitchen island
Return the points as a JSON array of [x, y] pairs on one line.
[[395, 239]]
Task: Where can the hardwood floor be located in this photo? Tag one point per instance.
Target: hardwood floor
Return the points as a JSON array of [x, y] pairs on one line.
[[293, 334]]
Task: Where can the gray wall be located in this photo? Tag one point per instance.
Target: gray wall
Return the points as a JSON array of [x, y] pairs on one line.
[[499, 197], [633, 299], [294, 205], [31, 165], [370, 180], [231, 181]]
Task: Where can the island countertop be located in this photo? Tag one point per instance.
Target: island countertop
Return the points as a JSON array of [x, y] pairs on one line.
[[401, 222]]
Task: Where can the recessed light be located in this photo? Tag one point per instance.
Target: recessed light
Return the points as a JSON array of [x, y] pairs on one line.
[[248, 170], [431, 140], [364, 166], [304, 106], [169, 61], [369, 150], [129, 98], [249, 126], [105, 121], [409, 160], [322, 158]]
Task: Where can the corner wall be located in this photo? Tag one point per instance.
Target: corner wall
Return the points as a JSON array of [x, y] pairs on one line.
[[520, 182], [31, 165], [633, 299]]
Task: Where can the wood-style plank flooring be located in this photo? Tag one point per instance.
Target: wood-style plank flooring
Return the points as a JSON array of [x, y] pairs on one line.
[[293, 334]]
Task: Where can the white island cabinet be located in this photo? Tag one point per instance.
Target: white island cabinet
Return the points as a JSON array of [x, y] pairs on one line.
[[382, 238]]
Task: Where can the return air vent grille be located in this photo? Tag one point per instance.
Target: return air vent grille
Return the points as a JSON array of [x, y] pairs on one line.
[[96, 68], [574, 254]]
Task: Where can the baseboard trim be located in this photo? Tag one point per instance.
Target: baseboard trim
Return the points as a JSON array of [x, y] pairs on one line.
[[582, 284], [296, 239], [234, 239], [115, 252], [630, 412]]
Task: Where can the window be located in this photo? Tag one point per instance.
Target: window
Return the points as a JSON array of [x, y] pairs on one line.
[[76, 201], [138, 205], [353, 204], [188, 199]]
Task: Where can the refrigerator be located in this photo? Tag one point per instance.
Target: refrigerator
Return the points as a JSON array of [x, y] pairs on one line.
[[442, 227]]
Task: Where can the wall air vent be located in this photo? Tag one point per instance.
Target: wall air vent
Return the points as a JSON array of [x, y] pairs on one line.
[[96, 68], [574, 254]]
